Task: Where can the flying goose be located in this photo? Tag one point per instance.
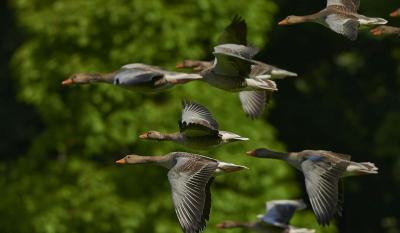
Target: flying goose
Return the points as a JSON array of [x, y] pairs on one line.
[[322, 171], [136, 77], [236, 33], [340, 16], [275, 220], [253, 102], [190, 177], [231, 71], [198, 129]]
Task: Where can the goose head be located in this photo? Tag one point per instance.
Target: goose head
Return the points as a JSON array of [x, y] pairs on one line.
[[265, 153], [81, 79], [395, 13], [152, 135], [228, 224], [384, 30], [292, 19], [132, 159]]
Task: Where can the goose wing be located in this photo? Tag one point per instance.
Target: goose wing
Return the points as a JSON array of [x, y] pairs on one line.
[[139, 74], [350, 5], [322, 179], [343, 25], [280, 212], [233, 60], [235, 32], [190, 181], [253, 102], [196, 120]]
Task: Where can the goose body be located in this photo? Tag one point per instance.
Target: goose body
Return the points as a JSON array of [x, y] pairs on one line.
[[270, 71], [190, 177], [340, 16], [136, 77], [232, 71], [323, 171], [275, 220], [198, 129]]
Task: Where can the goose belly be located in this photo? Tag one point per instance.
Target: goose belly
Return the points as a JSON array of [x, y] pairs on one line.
[[223, 82], [135, 81], [202, 142]]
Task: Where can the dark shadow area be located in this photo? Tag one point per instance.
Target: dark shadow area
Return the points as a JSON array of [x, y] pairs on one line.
[[18, 122], [345, 100]]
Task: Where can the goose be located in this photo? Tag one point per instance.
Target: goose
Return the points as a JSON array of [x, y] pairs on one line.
[[385, 30], [275, 220], [253, 102], [395, 13], [236, 33], [190, 177], [340, 16], [323, 171], [136, 77], [231, 71], [198, 129]]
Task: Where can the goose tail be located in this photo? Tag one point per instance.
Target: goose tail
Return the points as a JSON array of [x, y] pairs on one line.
[[380, 21], [229, 167], [364, 168], [231, 137], [375, 21], [257, 84], [279, 74]]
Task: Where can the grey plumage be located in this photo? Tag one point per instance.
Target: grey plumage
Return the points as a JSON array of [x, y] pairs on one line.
[[340, 16], [197, 129], [322, 171], [190, 177]]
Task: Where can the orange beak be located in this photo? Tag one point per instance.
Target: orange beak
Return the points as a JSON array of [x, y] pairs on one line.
[[394, 13], [376, 32], [283, 22], [220, 225], [67, 82], [121, 161], [143, 136], [251, 153]]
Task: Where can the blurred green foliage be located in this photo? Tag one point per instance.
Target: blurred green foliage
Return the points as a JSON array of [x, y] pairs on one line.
[[67, 181], [59, 143]]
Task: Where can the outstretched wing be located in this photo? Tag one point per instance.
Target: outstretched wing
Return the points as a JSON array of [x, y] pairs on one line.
[[234, 33], [138, 75], [233, 60], [350, 5], [190, 183], [241, 51], [196, 120], [322, 179], [253, 102], [280, 212], [342, 25]]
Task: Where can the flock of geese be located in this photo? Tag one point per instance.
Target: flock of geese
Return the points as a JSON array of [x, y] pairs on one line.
[[234, 69]]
